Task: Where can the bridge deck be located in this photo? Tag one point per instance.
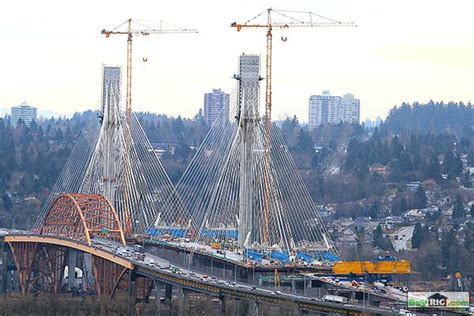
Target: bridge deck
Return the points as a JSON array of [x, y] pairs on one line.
[[70, 244]]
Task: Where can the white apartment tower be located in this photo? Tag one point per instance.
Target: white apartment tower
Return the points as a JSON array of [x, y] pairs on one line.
[[328, 109], [24, 112], [214, 103]]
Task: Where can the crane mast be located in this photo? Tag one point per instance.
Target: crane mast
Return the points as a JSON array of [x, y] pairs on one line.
[[130, 32], [290, 22]]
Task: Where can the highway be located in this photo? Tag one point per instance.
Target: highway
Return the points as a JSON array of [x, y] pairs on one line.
[[160, 269]]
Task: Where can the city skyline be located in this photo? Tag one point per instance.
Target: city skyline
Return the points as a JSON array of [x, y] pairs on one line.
[[399, 53]]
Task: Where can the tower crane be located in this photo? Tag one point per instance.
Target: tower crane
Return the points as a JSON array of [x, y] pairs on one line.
[[129, 31], [144, 31], [269, 26]]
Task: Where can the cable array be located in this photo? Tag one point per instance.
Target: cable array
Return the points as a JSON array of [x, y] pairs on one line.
[[117, 161], [224, 185]]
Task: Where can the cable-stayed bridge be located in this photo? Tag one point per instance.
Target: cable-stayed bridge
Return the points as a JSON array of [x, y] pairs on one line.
[[239, 181], [242, 190]]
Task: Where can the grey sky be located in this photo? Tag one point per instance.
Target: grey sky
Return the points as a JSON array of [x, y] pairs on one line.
[[405, 50]]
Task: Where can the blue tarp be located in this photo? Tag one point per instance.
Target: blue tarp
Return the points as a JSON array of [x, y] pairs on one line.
[[175, 232], [304, 256], [280, 256], [386, 258], [153, 232], [234, 234], [328, 256], [229, 234], [253, 255]]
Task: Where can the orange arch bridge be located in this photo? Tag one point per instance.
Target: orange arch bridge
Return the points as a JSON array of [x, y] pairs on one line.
[[68, 228], [81, 217]]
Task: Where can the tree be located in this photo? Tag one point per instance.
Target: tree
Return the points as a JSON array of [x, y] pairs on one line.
[[472, 211], [7, 202], [381, 241], [199, 118], [420, 198], [458, 208], [374, 211], [452, 165], [466, 180], [400, 208], [418, 236], [305, 144], [452, 252], [432, 169]]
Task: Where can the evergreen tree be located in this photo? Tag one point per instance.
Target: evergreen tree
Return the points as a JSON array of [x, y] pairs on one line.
[[381, 241], [466, 180], [378, 237], [400, 207], [452, 253], [432, 169], [452, 165], [7, 202], [305, 144], [418, 236], [374, 211], [458, 207], [420, 198]]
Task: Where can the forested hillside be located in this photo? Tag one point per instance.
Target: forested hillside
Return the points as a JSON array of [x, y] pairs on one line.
[[433, 117]]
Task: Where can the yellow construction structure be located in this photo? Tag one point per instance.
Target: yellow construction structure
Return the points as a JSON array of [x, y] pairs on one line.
[[369, 267]]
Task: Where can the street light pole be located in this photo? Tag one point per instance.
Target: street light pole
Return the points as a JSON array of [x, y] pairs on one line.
[[14, 222]]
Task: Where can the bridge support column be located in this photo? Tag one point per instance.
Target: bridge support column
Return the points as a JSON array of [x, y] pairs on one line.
[[4, 284], [253, 308], [223, 304], [71, 269], [168, 294], [158, 296], [181, 299], [131, 295]]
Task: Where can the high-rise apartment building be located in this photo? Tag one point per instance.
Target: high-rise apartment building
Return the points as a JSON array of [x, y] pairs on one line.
[[24, 112], [351, 108], [328, 109], [111, 79], [214, 103]]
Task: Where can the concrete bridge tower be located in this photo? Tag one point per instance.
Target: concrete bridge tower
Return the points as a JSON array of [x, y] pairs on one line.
[[247, 118]]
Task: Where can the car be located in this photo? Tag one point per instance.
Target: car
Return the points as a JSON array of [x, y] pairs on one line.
[[253, 287], [192, 273], [278, 292]]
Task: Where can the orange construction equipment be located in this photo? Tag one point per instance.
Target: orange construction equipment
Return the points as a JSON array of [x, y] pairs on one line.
[[368, 267]]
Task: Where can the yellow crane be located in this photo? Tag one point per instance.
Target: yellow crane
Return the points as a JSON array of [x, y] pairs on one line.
[[269, 26], [144, 31]]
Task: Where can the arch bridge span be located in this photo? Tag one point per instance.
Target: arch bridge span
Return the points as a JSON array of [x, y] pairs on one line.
[[69, 226]]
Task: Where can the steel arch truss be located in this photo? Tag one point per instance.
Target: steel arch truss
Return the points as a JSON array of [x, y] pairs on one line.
[[40, 267], [81, 217]]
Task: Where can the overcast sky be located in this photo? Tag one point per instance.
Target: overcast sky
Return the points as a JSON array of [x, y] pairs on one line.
[[405, 50]]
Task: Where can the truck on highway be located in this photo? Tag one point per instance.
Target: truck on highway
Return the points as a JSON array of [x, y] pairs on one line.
[[149, 261], [138, 248], [335, 299]]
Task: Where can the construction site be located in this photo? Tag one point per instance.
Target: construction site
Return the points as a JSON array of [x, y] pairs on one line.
[[240, 213]]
